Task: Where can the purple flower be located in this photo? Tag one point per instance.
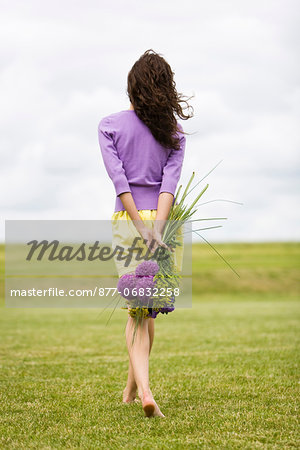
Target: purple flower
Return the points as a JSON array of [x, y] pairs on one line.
[[147, 268], [144, 287], [167, 310], [125, 286], [153, 313]]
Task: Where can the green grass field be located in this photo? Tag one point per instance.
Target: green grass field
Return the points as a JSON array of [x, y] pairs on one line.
[[225, 372]]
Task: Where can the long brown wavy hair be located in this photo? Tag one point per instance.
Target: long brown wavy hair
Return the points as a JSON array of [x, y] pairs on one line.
[[152, 91]]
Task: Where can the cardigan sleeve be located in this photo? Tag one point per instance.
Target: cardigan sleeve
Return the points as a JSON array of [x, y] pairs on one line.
[[172, 169], [112, 162]]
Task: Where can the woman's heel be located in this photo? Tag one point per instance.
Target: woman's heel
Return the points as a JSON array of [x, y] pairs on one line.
[[149, 408]]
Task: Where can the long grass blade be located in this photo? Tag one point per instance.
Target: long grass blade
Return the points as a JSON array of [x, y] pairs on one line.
[[204, 177], [207, 228], [209, 218], [186, 189], [218, 200], [177, 194], [219, 254], [113, 310], [109, 303]]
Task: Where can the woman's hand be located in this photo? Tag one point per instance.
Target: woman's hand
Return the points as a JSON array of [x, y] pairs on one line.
[[158, 242], [146, 234], [153, 238]]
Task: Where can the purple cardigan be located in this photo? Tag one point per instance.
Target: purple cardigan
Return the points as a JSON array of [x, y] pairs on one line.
[[136, 162]]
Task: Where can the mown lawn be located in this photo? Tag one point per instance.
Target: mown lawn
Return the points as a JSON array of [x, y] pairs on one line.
[[225, 372]]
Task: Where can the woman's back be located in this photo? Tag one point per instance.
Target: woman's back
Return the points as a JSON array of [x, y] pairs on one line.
[[135, 161]]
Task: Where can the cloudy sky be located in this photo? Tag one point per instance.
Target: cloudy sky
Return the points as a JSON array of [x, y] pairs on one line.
[[64, 66]]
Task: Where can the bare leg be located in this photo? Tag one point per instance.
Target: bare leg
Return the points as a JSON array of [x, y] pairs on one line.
[[139, 352], [139, 356], [151, 332], [129, 393]]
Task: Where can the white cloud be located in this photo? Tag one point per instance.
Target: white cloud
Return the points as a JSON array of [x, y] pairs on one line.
[[64, 66]]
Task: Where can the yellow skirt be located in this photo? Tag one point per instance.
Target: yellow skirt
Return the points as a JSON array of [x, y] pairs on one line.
[[124, 233]]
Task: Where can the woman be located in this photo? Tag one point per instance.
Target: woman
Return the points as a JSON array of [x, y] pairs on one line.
[[143, 149]]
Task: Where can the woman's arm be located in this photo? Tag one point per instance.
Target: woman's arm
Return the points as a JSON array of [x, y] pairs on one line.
[[165, 201], [112, 162], [129, 205]]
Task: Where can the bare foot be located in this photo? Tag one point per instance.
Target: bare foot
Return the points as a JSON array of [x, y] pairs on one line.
[[129, 396], [150, 406], [157, 411]]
